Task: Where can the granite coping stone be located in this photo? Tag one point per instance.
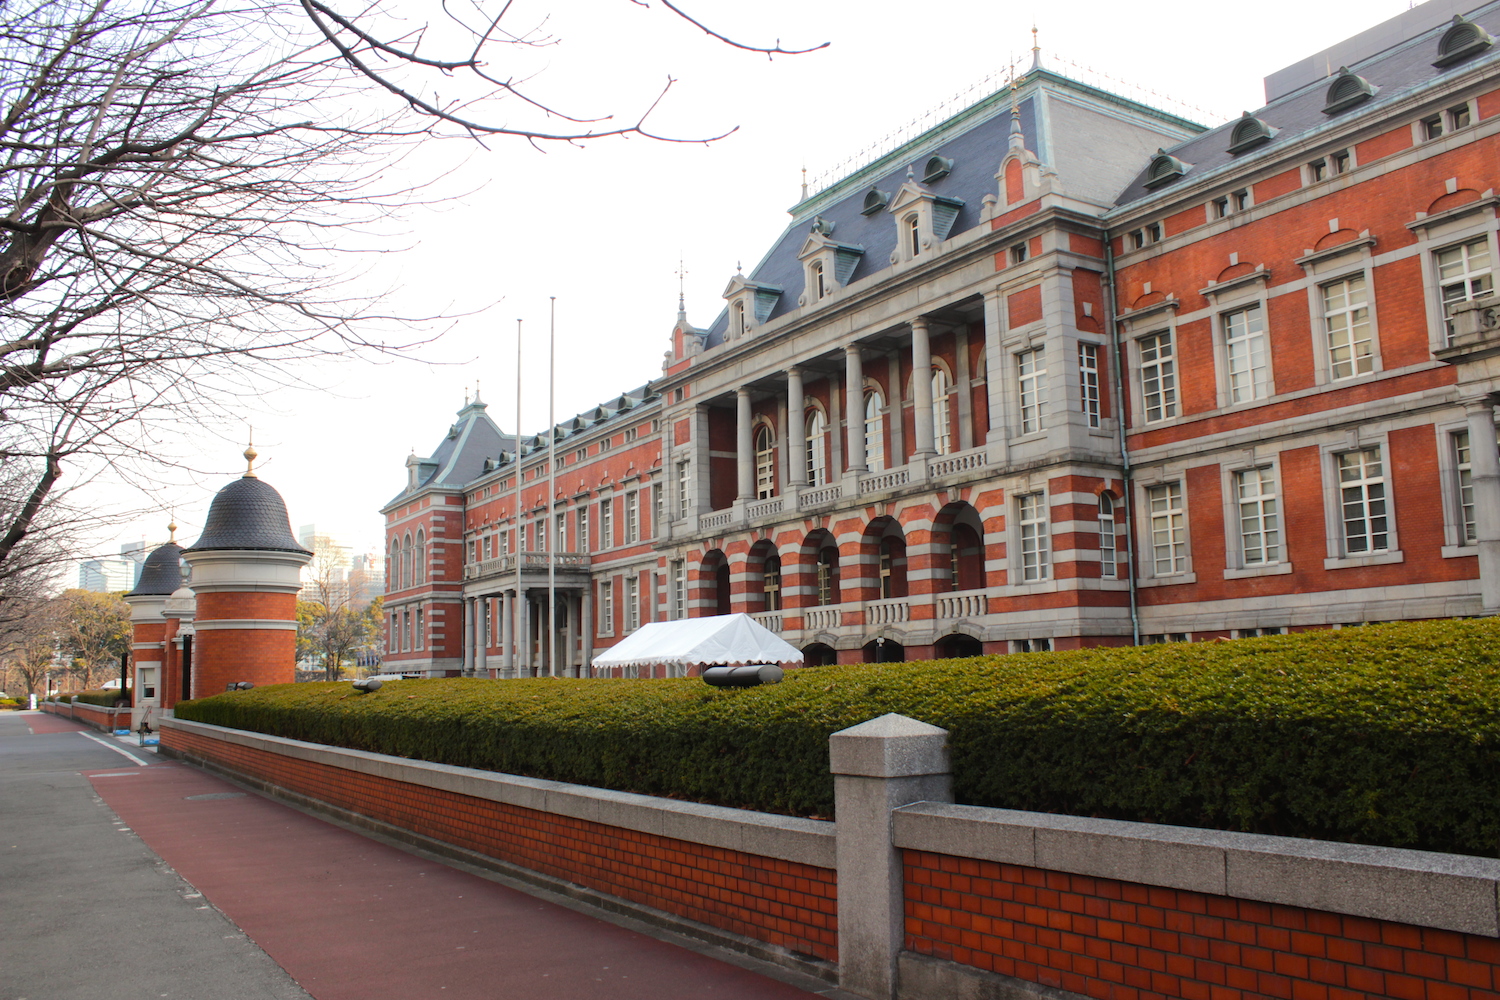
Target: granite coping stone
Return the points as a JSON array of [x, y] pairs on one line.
[[784, 838], [1424, 888]]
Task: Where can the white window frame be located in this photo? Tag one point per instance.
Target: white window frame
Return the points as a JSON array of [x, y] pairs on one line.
[[874, 428], [1348, 311], [679, 588], [1236, 565], [1033, 537], [607, 606], [817, 446], [1333, 506], [1089, 375], [632, 517], [1031, 390], [684, 495], [1247, 354], [583, 528], [765, 461], [942, 410], [1443, 232], [1109, 536], [1158, 518], [1161, 373], [1452, 472], [606, 523], [1464, 280], [632, 602], [560, 542]]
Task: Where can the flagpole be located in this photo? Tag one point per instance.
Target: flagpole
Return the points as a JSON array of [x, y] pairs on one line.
[[515, 633], [552, 489]]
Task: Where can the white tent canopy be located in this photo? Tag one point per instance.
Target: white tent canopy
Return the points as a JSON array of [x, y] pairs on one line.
[[730, 640]]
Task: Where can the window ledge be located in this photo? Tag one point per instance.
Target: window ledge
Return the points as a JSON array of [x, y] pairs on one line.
[[1459, 551], [1373, 559], [1046, 586], [1270, 569], [1168, 581]]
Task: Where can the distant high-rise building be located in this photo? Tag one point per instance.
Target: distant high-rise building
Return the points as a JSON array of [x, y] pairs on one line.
[[107, 574]]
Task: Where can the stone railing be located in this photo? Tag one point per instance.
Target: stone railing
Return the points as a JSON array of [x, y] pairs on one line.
[[969, 605], [884, 481], [764, 508], [768, 619], [529, 561], [947, 465], [820, 618], [821, 495], [718, 519], [888, 612]]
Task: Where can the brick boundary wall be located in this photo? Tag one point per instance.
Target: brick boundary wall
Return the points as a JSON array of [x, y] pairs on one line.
[[1131, 911], [786, 903]]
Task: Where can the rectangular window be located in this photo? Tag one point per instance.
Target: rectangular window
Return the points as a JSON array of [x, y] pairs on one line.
[[1153, 232], [1031, 367], [679, 589], [1260, 521], [632, 603], [1346, 321], [1458, 117], [1362, 501], [562, 532], [1245, 349], [580, 454], [630, 434], [1463, 465], [1109, 565], [1137, 239], [1317, 170], [1464, 274], [1158, 376], [583, 529], [1018, 254], [607, 607], [632, 518], [683, 506], [1088, 382], [485, 547], [1168, 529], [1036, 558], [539, 535], [421, 628], [1432, 127], [1339, 162], [607, 523], [658, 507], [1221, 207], [1240, 199], [1031, 645]]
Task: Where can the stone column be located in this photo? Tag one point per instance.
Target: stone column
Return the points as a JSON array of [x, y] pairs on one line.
[[878, 766], [921, 389], [507, 637], [482, 646], [524, 662], [854, 407], [1484, 472], [466, 633], [745, 444], [570, 636], [796, 429], [586, 627]]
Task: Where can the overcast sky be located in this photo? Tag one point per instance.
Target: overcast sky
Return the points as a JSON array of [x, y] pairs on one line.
[[603, 227]]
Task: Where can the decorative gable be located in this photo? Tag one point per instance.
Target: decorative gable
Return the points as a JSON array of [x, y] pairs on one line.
[[923, 219], [750, 305], [827, 265]]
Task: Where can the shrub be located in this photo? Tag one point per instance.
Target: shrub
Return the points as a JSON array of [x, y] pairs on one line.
[[1381, 735], [103, 699]]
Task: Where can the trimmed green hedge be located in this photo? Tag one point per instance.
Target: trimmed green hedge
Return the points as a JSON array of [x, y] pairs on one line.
[[103, 699], [1385, 734]]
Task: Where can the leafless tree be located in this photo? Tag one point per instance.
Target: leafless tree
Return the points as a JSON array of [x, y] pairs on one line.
[[173, 177]]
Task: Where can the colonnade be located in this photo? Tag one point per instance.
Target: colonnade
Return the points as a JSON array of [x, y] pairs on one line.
[[521, 639]]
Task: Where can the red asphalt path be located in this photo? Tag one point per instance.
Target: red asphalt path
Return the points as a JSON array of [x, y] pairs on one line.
[[353, 919], [42, 724]]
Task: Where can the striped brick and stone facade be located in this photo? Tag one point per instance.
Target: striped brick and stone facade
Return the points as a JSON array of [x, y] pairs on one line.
[[1063, 371]]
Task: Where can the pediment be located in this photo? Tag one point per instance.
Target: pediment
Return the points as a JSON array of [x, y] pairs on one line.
[[911, 192]]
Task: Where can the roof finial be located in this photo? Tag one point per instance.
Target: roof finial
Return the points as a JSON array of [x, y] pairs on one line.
[[476, 390], [1036, 50], [466, 396], [804, 182], [172, 530], [739, 268], [681, 288], [250, 456]]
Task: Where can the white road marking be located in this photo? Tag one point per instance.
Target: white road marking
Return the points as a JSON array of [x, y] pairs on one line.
[[119, 750]]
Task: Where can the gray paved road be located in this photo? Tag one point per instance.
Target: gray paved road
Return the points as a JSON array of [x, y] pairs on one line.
[[86, 909]]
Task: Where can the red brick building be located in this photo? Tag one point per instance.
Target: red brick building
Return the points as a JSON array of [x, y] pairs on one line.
[[1064, 370]]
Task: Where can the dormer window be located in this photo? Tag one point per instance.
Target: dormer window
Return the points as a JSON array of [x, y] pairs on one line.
[[818, 283], [1346, 91], [750, 305], [1248, 133], [1462, 40], [737, 320]]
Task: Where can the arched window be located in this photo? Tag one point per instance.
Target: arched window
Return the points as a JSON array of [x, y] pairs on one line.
[[892, 567], [818, 284], [737, 320], [967, 558], [874, 430], [393, 569], [913, 235], [406, 562], [765, 462], [1108, 560], [828, 575], [771, 583], [817, 448], [419, 572], [942, 429]]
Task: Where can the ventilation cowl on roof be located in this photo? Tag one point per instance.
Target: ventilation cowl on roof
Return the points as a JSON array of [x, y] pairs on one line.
[[1248, 133], [1347, 90], [1463, 39], [1164, 169], [875, 201], [937, 168]]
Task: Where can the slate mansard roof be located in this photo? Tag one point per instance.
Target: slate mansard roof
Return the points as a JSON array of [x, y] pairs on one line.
[[1091, 139], [247, 514], [1395, 73], [162, 572]]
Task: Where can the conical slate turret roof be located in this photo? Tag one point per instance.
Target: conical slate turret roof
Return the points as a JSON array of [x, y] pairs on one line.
[[162, 572], [247, 514]]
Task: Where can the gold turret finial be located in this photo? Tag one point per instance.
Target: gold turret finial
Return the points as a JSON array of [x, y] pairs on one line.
[[250, 456]]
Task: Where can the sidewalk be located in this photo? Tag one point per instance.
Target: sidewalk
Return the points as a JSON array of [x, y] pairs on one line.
[[349, 917]]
